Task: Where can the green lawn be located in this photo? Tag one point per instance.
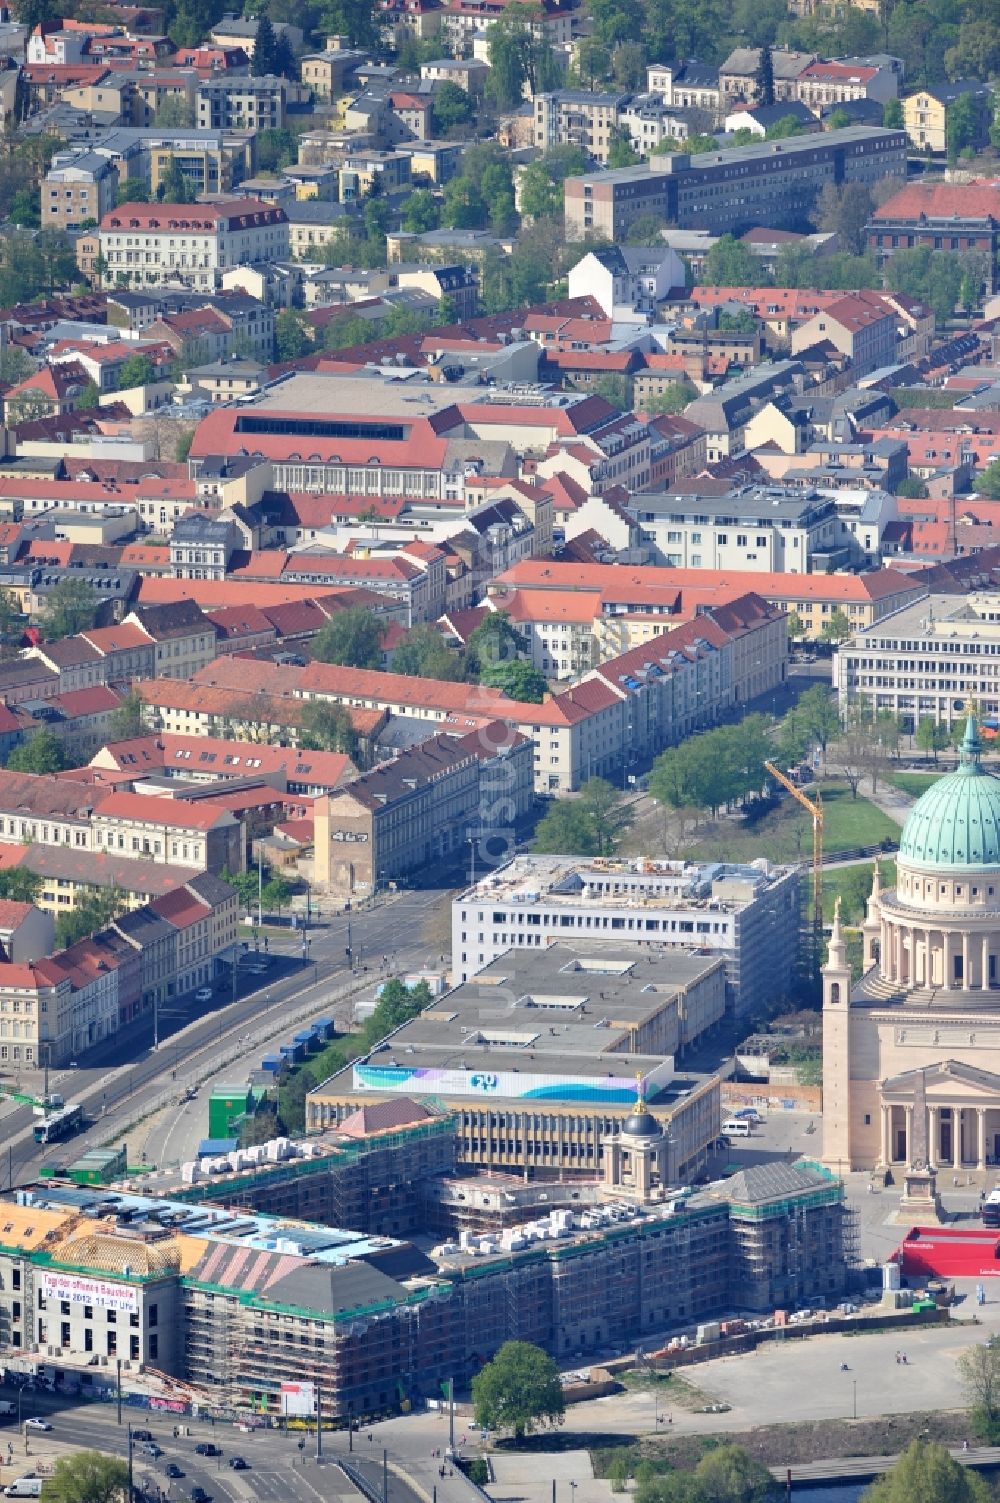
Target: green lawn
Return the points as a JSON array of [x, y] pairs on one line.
[[913, 782], [786, 833]]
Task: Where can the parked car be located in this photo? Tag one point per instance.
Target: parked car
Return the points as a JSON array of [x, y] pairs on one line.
[[750, 1113], [35, 1423], [203, 994]]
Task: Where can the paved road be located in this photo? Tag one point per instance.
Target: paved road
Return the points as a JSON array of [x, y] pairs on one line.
[[278, 1471], [125, 1074]]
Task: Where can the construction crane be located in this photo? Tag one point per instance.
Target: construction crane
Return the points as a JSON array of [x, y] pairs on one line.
[[815, 808]]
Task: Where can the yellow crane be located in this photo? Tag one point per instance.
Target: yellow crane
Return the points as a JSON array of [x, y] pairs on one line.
[[815, 808]]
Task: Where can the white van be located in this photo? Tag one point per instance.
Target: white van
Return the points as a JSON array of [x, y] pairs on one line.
[[24, 1487], [736, 1127]]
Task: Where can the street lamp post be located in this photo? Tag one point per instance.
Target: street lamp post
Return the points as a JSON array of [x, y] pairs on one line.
[[118, 1367], [854, 1405]]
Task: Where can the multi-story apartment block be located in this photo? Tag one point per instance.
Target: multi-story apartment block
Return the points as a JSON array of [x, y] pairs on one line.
[[738, 74], [418, 809], [746, 915], [79, 186], [728, 191], [184, 638], [252, 104], [188, 244], [778, 530], [578, 117], [932, 658]]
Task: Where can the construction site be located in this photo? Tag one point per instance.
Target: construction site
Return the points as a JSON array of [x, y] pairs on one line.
[[215, 1303]]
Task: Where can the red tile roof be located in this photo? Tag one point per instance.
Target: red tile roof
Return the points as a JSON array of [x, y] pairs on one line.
[[937, 200]]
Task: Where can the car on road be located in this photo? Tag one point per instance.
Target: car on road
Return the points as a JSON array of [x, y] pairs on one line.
[[237, 1463], [152, 1449], [173, 1470], [203, 994], [207, 1448], [142, 1434], [37, 1424], [199, 1495]]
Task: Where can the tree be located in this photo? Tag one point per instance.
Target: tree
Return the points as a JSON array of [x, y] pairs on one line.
[[729, 1474], [741, 322], [621, 152], [519, 54], [174, 187], [988, 483], [137, 370], [818, 711], [592, 824], [764, 77], [837, 629], [422, 212], [931, 736], [128, 721], [542, 181], [593, 60], [352, 638], [844, 211], [979, 1375], [183, 446], [670, 399], [20, 885], [450, 107], [423, 653], [25, 208], [265, 48], [925, 1473], [839, 119], [29, 405], [328, 727], [463, 207], [397, 1004], [961, 126], [494, 641], [935, 277], [853, 749], [175, 113], [291, 335], [645, 229], [96, 907], [358, 20], [892, 114], [275, 893], [246, 887], [134, 190], [89, 398], [614, 389], [730, 263], [795, 625], [87, 1477], [277, 147], [912, 485], [518, 680], [518, 1390], [70, 607], [42, 752]]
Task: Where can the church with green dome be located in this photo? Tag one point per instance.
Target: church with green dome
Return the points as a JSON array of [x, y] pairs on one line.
[[911, 1052]]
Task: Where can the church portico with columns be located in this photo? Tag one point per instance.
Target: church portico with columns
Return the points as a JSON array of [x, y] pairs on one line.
[[918, 1036]]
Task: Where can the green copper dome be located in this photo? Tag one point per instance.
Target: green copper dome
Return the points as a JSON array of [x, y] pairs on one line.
[[956, 823]]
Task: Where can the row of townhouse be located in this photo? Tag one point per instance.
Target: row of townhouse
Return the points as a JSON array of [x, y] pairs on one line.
[[642, 601], [202, 834], [54, 1006], [590, 729], [800, 77]]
